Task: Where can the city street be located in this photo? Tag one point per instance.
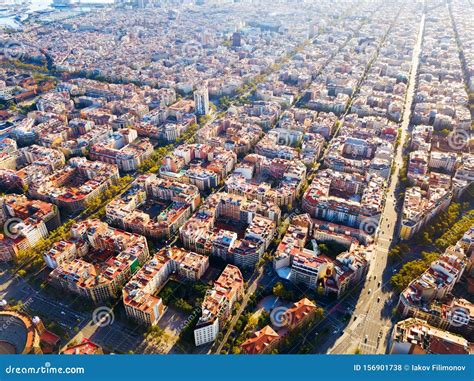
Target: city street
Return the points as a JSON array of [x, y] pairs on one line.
[[116, 336], [368, 331]]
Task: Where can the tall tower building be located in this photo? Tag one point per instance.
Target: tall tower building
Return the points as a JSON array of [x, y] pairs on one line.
[[201, 100], [236, 40]]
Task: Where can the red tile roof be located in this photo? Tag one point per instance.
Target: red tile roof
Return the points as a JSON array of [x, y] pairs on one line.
[[260, 341], [86, 347], [300, 311]]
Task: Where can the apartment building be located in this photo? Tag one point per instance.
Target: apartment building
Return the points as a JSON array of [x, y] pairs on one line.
[[73, 186], [218, 303], [154, 207], [103, 260], [139, 294], [430, 296], [25, 222], [416, 336], [206, 232]]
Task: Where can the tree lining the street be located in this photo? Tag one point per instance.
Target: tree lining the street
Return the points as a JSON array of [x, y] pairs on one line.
[[412, 270]]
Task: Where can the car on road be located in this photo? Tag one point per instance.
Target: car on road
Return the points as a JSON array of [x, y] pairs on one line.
[[63, 313], [370, 290]]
